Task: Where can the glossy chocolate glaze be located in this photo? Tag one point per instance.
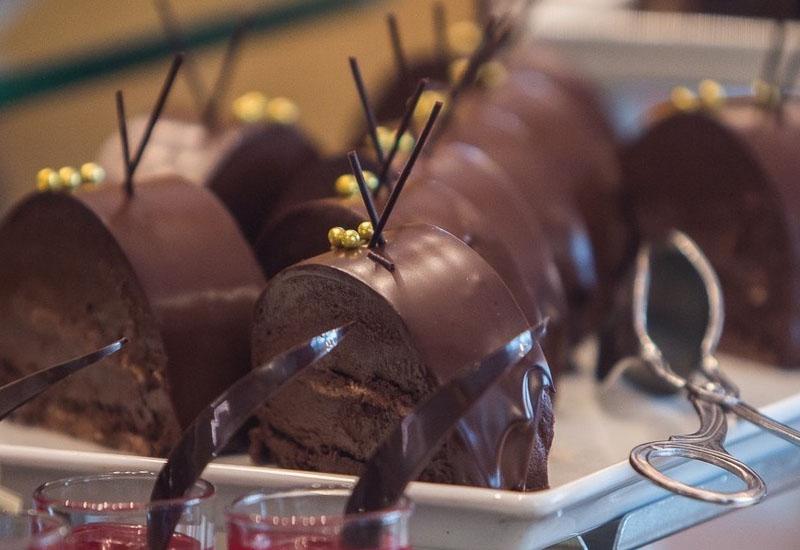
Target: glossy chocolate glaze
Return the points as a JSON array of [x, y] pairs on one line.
[[198, 279], [301, 231], [314, 181], [452, 189], [415, 312], [247, 166], [391, 100], [507, 141], [729, 179], [582, 152]]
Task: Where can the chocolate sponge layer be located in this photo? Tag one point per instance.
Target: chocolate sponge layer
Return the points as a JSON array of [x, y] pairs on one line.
[[66, 289], [441, 309]]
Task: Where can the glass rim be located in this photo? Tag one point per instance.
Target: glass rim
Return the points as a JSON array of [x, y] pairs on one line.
[[57, 529], [40, 497], [404, 507]]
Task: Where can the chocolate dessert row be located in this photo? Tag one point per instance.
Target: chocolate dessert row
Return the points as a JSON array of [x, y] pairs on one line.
[[158, 258]]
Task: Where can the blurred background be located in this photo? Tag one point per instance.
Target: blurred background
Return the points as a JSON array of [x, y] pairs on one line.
[[62, 61]]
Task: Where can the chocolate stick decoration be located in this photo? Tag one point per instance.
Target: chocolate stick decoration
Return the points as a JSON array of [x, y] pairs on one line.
[[214, 427], [175, 37], [372, 126], [397, 47], [401, 181], [440, 32], [405, 122], [210, 116], [358, 173], [123, 137], [403, 455], [131, 164]]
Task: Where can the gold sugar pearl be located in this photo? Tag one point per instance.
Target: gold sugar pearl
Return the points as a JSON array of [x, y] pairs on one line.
[[464, 37], [282, 110], [425, 106], [370, 179], [92, 173], [351, 239], [346, 185], [335, 236], [48, 179], [386, 138], [365, 230], [711, 93], [457, 68], [683, 98], [492, 74], [70, 177], [251, 107]]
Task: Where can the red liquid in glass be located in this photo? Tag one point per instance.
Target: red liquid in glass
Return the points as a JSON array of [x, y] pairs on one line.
[[118, 536], [245, 539]]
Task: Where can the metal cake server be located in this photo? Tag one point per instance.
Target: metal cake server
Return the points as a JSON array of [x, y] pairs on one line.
[[19, 392], [214, 427], [711, 393], [402, 456]]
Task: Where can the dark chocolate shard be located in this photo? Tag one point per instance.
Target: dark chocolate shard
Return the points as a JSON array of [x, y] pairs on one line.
[[403, 455], [16, 394], [214, 427]]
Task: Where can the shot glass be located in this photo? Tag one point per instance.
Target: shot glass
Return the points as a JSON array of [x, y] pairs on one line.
[[32, 531], [313, 519], [110, 511]]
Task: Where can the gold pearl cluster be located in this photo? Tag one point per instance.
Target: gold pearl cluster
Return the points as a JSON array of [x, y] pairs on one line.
[[68, 178], [347, 186], [350, 239], [710, 95], [254, 107], [425, 105], [490, 75], [386, 137]]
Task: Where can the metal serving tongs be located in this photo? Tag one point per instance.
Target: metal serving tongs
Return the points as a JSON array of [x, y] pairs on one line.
[[711, 393]]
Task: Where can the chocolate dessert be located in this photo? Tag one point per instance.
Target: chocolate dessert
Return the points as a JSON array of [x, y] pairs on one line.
[[451, 190], [410, 336], [248, 166], [728, 178], [161, 262], [541, 187]]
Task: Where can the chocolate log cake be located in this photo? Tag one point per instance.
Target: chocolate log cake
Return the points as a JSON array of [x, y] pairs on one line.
[[439, 307], [248, 166], [504, 137], [729, 179], [451, 190], [167, 267]]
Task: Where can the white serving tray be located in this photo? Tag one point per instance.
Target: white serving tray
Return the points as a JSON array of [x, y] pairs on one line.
[[591, 479]]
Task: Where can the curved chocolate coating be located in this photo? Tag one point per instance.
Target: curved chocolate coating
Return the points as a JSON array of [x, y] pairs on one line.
[[729, 179], [585, 162], [506, 140], [301, 231], [452, 189], [197, 275], [247, 166], [415, 312], [314, 181]]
